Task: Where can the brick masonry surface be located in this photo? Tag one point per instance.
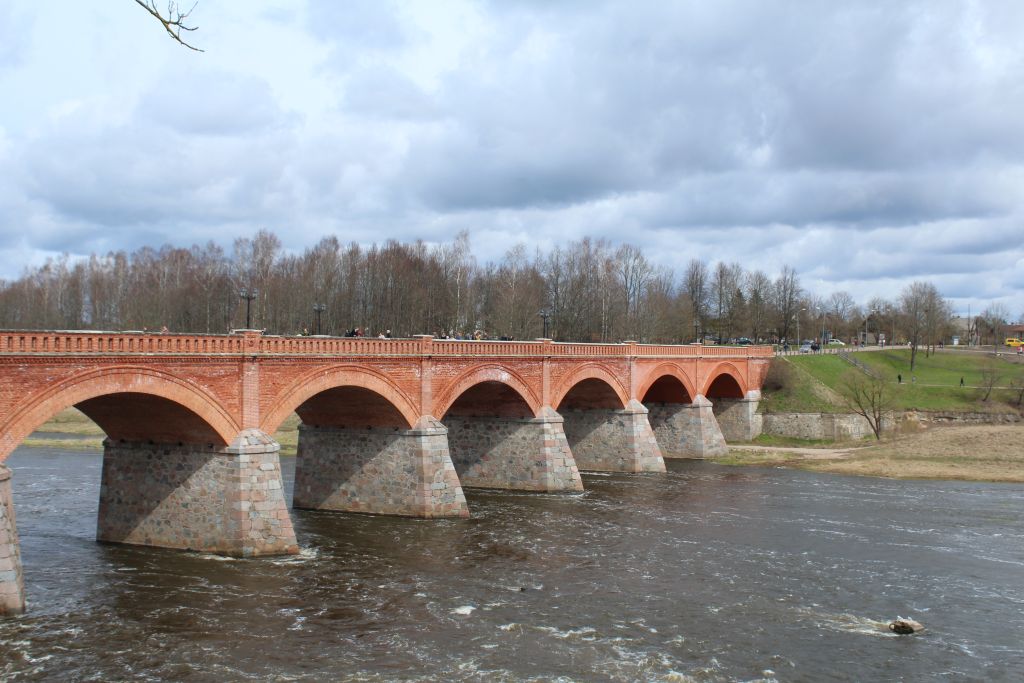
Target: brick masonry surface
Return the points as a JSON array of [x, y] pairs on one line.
[[227, 501], [12, 587], [379, 471], [521, 454], [687, 430], [613, 440]]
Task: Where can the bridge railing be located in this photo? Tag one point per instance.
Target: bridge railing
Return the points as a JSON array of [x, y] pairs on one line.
[[251, 342]]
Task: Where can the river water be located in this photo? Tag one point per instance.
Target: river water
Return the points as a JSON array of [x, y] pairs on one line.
[[707, 573]]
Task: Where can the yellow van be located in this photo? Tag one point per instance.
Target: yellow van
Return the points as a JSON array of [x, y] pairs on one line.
[[1013, 341]]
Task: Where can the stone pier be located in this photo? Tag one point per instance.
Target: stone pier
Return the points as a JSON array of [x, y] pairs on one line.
[[378, 470], [227, 501], [522, 454], [12, 585], [613, 440], [687, 430], [738, 417]]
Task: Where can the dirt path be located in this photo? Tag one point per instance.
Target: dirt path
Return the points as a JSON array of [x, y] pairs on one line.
[[964, 452], [804, 453]]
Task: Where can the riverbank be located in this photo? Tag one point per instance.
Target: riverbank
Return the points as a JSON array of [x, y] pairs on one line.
[[965, 452]]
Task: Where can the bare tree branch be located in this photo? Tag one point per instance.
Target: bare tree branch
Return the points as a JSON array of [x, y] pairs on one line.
[[174, 22], [868, 396]]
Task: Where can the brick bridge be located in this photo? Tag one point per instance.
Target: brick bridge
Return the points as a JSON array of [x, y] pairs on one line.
[[395, 426]]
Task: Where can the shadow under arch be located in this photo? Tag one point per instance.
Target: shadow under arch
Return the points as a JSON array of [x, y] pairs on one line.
[[342, 383], [725, 381], [480, 383], [128, 402], [587, 380], [657, 385]]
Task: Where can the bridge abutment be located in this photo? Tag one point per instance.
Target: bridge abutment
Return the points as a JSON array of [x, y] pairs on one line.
[[228, 501], [12, 585], [687, 430], [522, 454], [738, 417], [613, 440], [378, 470]]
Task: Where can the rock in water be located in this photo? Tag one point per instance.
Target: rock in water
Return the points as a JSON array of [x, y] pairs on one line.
[[905, 627]]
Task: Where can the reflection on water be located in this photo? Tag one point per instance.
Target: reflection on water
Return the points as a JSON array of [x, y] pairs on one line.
[[707, 573]]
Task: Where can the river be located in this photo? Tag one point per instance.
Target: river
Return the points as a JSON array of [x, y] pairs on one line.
[[707, 573]]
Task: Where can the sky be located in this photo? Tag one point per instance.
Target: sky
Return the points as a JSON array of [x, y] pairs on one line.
[[865, 144]]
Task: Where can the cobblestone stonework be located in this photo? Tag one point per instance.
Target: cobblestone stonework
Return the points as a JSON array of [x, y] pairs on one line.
[[12, 586], [529, 454], [737, 418], [687, 430], [378, 470], [613, 440], [228, 501]]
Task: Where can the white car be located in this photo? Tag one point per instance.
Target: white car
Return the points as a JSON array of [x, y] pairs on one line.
[[836, 342]]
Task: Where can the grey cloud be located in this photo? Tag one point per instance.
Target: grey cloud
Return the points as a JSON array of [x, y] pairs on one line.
[[384, 93], [204, 102]]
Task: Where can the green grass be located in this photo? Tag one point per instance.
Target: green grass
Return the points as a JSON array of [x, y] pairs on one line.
[[934, 385]]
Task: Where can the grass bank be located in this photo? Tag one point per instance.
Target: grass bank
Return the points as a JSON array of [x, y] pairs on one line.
[[808, 384], [967, 453]]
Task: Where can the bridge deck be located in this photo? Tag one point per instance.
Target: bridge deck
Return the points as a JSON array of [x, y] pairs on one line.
[[114, 343]]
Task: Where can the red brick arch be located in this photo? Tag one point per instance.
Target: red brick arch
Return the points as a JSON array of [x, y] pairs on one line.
[[724, 368], [487, 373], [589, 371], [312, 383], [41, 406], [666, 370]]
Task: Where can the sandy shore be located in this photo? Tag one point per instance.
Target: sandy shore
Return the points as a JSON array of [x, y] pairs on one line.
[[968, 453]]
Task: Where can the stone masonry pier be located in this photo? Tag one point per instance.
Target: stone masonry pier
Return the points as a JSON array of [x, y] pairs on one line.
[[395, 426]]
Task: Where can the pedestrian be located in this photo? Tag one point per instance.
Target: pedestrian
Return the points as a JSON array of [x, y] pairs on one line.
[[961, 381], [899, 379]]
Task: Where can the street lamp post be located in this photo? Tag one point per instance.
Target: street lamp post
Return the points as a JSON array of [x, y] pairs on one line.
[[866, 318], [249, 295], [318, 309], [545, 315]]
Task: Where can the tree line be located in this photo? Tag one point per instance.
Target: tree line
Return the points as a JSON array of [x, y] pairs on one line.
[[588, 290]]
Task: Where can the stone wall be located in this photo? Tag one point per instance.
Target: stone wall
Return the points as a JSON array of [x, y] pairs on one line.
[[519, 454], [687, 430], [850, 426], [737, 418], [184, 496], [613, 440], [12, 586], [819, 426], [378, 470]]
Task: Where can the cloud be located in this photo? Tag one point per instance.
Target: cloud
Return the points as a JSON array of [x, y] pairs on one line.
[[867, 144]]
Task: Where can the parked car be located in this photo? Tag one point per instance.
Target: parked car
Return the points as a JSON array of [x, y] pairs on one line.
[[1013, 341], [805, 347], [836, 342], [743, 341]]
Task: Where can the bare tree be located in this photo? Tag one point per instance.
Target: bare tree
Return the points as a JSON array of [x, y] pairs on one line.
[[990, 376], [695, 283], [920, 303], [1018, 386], [173, 20], [786, 299], [867, 395]]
